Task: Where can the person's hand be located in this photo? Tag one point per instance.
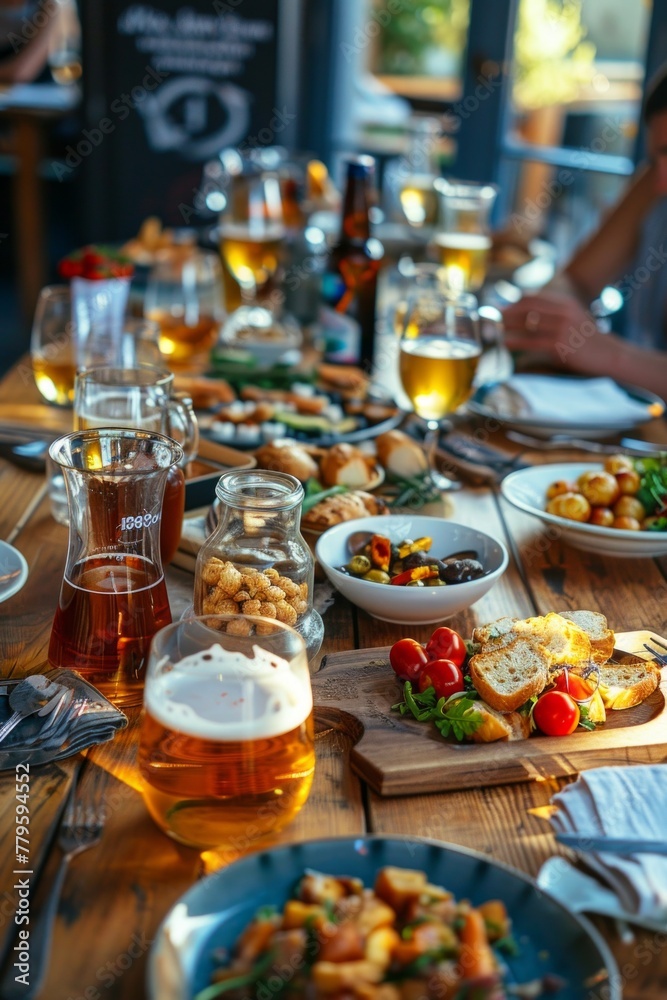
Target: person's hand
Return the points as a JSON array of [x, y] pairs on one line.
[[559, 327]]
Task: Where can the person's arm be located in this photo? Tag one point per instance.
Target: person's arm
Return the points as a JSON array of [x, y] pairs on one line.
[[562, 331], [601, 259]]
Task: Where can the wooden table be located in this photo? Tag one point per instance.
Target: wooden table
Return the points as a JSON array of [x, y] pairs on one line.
[[116, 893]]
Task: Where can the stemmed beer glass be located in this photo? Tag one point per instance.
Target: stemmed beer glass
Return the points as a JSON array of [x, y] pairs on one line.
[[440, 349], [252, 229]]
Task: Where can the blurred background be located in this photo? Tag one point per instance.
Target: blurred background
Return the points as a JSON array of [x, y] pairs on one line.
[[112, 112]]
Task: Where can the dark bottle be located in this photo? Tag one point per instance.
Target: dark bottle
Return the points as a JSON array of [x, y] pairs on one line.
[[349, 283]]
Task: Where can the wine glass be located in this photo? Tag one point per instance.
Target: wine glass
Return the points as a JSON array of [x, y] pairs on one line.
[[252, 229], [440, 348], [184, 298]]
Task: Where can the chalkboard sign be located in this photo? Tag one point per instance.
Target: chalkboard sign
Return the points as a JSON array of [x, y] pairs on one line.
[[168, 84]]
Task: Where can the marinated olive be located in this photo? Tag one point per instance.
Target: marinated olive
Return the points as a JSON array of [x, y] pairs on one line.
[[359, 565], [377, 576], [415, 583], [417, 559], [435, 582], [462, 571]]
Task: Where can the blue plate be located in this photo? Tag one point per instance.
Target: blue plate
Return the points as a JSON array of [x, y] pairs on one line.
[[213, 913]]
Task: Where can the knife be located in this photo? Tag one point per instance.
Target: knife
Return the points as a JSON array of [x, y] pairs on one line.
[[611, 845]]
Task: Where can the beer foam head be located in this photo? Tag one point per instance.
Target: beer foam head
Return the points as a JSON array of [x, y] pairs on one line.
[[218, 694]]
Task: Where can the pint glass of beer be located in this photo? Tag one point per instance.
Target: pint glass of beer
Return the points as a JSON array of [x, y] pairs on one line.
[[226, 751]]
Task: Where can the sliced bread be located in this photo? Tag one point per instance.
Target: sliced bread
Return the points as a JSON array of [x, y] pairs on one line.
[[495, 634], [623, 685], [496, 726], [596, 627], [507, 677], [562, 640]]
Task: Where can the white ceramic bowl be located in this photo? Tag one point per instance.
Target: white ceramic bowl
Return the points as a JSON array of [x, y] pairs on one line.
[[526, 489], [412, 605]]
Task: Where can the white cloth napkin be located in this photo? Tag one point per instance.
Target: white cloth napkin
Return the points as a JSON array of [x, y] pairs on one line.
[[580, 401], [622, 802]]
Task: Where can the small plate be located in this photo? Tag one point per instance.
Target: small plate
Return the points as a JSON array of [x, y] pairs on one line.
[[483, 404], [212, 914], [526, 489], [13, 571]]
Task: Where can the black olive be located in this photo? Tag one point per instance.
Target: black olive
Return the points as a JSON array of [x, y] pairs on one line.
[[461, 571], [417, 559]]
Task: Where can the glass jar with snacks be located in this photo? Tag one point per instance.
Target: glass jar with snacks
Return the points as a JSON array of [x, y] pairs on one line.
[[256, 562]]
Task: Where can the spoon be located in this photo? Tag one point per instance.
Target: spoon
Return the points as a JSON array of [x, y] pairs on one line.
[[29, 696]]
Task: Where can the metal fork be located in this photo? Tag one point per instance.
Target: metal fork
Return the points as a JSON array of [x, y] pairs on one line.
[[81, 828], [656, 654]]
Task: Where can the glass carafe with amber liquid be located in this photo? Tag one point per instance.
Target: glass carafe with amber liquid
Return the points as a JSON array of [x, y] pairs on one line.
[[113, 597]]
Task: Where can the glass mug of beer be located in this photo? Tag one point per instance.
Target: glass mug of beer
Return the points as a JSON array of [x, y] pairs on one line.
[[142, 398], [464, 239], [226, 749]]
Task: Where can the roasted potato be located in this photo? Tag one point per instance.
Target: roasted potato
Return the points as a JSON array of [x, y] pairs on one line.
[[627, 506], [628, 482], [560, 486], [602, 516], [627, 523], [599, 488], [618, 463], [573, 506]]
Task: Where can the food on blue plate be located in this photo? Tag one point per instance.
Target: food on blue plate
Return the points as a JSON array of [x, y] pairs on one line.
[[630, 494], [404, 938]]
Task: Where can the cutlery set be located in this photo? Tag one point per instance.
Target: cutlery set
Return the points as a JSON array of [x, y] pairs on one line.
[[49, 718]]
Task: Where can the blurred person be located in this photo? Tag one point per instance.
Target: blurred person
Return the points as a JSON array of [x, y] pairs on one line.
[[25, 32], [629, 250]]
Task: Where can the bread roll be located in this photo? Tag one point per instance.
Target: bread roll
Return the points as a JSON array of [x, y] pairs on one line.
[[345, 465], [286, 455], [400, 454]]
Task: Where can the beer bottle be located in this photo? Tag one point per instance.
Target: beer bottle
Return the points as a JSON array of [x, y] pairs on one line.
[[350, 280]]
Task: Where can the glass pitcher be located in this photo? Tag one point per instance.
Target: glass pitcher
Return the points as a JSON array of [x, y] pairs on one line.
[[113, 597]]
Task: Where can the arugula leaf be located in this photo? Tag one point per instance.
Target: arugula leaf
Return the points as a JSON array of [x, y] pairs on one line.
[[314, 496], [455, 715], [584, 720]]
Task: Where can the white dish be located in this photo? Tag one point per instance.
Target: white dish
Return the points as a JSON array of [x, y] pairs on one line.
[[13, 571], [412, 605], [526, 489], [484, 404]]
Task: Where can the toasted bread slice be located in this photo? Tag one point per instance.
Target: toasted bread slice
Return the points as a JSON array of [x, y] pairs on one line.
[[562, 640], [507, 677], [596, 627], [623, 685], [495, 634], [497, 726]]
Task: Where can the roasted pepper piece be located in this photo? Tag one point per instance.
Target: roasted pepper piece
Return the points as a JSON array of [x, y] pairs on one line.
[[419, 545], [380, 552], [418, 573]]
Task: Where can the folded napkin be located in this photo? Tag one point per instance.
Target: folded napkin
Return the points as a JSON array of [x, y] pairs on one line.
[[570, 400], [86, 718], [622, 802]]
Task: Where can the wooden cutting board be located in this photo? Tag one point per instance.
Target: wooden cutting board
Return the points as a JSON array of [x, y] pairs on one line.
[[396, 755]]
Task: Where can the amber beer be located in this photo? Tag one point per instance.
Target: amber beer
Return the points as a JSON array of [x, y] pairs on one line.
[[419, 200], [226, 751], [437, 373], [464, 257], [54, 375], [251, 253]]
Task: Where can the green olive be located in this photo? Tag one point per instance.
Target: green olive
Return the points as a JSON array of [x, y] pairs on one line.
[[435, 582], [359, 565], [377, 576], [415, 583]]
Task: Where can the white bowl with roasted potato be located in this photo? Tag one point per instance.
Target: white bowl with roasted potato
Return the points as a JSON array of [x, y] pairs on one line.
[[591, 506], [412, 605]]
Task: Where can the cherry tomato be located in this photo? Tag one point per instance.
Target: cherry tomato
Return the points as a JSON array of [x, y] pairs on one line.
[[556, 714], [446, 644], [575, 686], [407, 657], [443, 675]]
